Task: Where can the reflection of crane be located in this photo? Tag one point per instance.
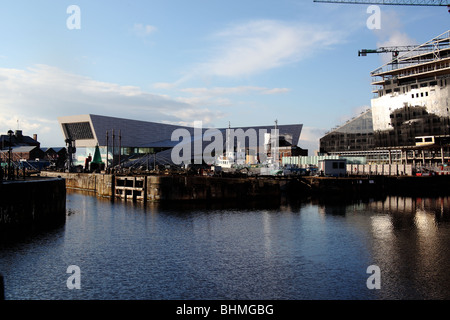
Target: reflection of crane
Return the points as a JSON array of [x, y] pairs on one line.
[[441, 3]]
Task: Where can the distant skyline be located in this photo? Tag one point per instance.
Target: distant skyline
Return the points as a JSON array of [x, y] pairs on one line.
[[244, 62]]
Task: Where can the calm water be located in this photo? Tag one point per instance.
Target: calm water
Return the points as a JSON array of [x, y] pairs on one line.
[[306, 250]]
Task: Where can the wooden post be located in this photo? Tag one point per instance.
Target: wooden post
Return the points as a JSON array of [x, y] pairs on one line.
[[145, 190], [120, 146], [113, 136], [134, 189], [107, 144], [125, 190]]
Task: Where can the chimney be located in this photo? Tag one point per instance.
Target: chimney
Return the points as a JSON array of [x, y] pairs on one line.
[[35, 136]]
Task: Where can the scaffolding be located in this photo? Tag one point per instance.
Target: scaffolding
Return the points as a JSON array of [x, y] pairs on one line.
[[432, 55]]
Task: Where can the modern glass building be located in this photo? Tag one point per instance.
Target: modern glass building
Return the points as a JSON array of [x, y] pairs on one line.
[[120, 138], [355, 135]]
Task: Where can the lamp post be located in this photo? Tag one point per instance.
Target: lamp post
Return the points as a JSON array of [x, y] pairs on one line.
[[10, 133]]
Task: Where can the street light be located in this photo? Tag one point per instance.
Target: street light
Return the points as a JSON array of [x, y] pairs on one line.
[[10, 133]]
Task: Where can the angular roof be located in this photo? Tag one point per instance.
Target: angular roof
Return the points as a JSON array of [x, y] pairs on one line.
[[90, 130]]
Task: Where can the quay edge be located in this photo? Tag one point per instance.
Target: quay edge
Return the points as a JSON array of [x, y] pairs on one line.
[[31, 205], [159, 188]]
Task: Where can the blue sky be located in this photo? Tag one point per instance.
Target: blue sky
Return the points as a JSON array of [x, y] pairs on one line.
[[244, 62]]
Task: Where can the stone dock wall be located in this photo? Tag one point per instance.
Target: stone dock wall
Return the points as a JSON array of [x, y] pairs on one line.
[[170, 187], [184, 188], [33, 203]]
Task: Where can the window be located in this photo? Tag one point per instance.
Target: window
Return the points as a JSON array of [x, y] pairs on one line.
[[78, 130]]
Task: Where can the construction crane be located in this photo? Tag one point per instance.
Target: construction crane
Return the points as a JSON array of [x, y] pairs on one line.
[[395, 50], [441, 3]]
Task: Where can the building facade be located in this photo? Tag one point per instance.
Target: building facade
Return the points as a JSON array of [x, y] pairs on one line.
[[355, 135], [119, 138], [412, 94], [411, 103]]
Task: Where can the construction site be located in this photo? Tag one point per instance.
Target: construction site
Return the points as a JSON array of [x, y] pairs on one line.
[[408, 122]]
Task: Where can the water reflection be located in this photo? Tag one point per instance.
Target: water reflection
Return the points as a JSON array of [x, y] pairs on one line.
[[410, 243], [296, 248]]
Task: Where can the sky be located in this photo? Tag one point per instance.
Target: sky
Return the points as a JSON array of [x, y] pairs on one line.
[[244, 63]]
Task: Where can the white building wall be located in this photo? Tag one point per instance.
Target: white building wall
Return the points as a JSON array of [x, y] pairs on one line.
[[434, 98], [386, 169]]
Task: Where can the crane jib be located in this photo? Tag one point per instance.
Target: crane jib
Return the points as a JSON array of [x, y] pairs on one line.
[[442, 3]]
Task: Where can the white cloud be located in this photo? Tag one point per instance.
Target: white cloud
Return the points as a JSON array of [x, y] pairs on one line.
[[261, 45], [215, 91], [164, 85], [309, 138], [276, 91], [390, 34], [206, 101], [218, 96], [38, 95], [142, 30]]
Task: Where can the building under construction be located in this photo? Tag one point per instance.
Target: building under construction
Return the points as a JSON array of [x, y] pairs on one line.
[[409, 119]]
